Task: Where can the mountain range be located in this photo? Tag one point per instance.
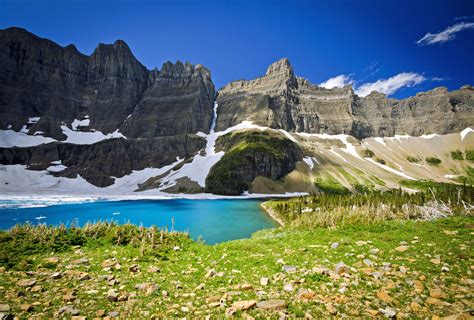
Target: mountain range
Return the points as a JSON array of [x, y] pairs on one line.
[[104, 123]]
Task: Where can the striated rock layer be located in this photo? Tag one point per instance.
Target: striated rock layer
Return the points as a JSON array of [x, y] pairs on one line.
[[111, 88], [281, 100]]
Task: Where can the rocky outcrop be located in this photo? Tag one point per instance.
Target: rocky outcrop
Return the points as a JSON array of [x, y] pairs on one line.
[[111, 88], [281, 100], [249, 155], [102, 162]]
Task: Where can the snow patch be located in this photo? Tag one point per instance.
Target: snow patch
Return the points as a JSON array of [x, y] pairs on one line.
[[429, 136], [380, 140], [465, 132], [78, 137], [387, 168], [10, 138], [80, 123], [56, 168], [33, 120], [349, 147], [309, 162]]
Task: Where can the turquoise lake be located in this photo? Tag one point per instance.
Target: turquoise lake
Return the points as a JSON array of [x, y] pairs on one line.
[[213, 220]]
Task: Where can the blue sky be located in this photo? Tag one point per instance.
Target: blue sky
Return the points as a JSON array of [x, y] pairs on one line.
[[365, 41]]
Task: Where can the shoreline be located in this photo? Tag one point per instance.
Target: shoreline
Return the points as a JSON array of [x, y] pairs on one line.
[[272, 214]]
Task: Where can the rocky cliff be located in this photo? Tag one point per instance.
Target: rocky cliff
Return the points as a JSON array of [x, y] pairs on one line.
[[281, 100], [110, 88], [106, 118]]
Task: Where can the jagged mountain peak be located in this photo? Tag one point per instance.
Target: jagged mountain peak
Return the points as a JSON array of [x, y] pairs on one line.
[[281, 66]]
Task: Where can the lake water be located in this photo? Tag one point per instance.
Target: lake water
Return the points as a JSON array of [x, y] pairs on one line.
[[214, 220]]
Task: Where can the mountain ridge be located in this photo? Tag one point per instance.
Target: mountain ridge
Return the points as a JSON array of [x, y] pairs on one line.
[[106, 116]]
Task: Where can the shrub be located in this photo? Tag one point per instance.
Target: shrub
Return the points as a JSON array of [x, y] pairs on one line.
[[413, 159], [469, 155], [367, 153], [457, 155], [433, 161], [381, 161]]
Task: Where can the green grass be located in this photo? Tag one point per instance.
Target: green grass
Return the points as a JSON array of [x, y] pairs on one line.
[[433, 161], [468, 178], [329, 185], [457, 155], [247, 261], [370, 206]]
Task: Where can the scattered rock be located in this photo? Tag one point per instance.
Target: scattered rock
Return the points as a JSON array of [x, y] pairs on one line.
[[80, 261], [334, 245], [83, 276], [288, 287], [368, 263], [388, 312], [26, 307], [229, 312], [436, 261], [341, 268], [289, 269], [271, 304], [56, 275], [113, 314], [383, 295], [200, 287], [330, 308], [134, 268], [52, 261], [244, 304], [374, 251], [246, 286], [402, 248], [26, 283], [153, 269], [69, 310], [264, 281], [210, 273], [437, 293], [112, 296]]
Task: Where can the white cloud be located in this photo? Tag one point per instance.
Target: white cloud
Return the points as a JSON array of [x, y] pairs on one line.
[[391, 85], [445, 35], [337, 82]]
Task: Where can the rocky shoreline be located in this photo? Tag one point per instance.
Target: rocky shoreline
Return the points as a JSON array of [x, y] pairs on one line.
[[272, 214]]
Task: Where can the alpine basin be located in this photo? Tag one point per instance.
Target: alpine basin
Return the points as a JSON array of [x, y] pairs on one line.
[[213, 220]]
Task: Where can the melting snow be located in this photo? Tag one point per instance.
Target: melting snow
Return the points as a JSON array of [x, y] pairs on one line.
[[199, 168], [465, 132], [80, 123], [309, 162], [78, 137], [429, 136], [56, 168], [380, 140], [33, 120], [349, 147], [387, 168], [10, 138]]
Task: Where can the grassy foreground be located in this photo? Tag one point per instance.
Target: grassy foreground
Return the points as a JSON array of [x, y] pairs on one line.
[[407, 269]]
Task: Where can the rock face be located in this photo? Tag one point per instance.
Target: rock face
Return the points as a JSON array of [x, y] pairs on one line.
[[39, 78], [159, 111], [157, 116], [283, 101], [249, 155]]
